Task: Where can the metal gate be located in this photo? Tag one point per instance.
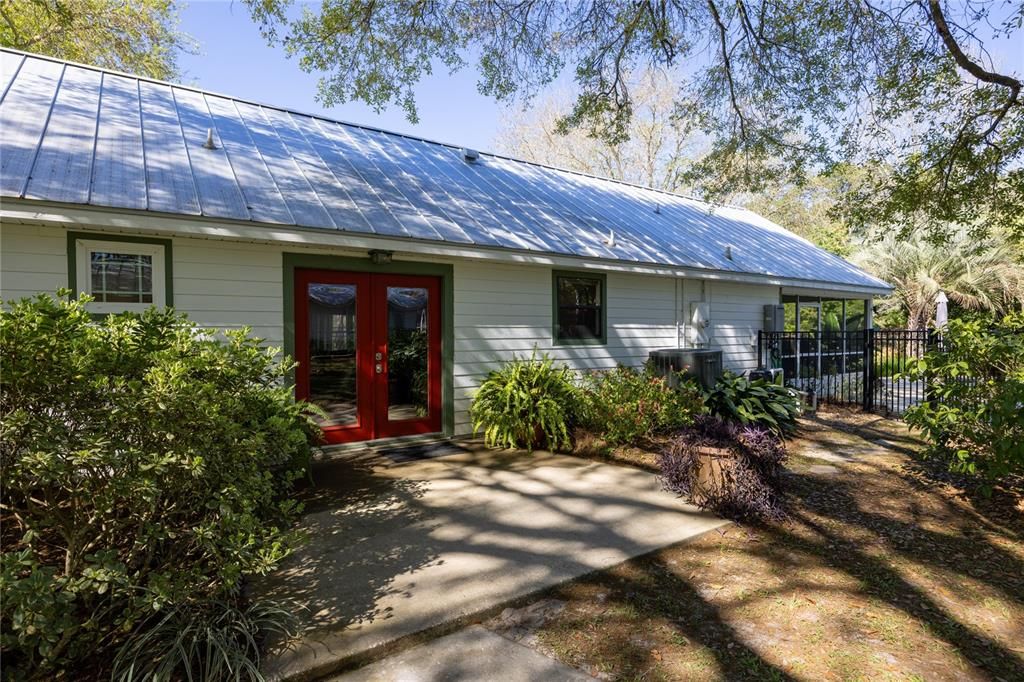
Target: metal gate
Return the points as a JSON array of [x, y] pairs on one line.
[[852, 367]]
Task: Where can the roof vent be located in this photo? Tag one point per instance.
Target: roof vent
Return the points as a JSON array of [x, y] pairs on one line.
[[611, 239], [657, 209], [470, 155], [728, 252], [209, 144]]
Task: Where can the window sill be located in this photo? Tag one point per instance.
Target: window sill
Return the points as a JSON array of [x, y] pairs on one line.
[[579, 342]]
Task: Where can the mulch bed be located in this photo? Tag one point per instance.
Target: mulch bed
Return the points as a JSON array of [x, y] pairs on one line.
[[888, 568]]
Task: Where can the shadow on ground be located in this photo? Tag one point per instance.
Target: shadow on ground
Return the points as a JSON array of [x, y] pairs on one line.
[[878, 574], [399, 549]]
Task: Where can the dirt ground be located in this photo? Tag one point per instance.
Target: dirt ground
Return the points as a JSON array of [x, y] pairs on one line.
[[887, 569]]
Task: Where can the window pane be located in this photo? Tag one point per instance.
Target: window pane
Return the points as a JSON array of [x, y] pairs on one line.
[[407, 353], [579, 291], [808, 318], [332, 352], [789, 308], [855, 315], [121, 277], [579, 308], [790, 313], [831, 316]]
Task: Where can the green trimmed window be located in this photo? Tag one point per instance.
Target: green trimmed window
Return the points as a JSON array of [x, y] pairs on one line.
[[121, 275], [579, 308]]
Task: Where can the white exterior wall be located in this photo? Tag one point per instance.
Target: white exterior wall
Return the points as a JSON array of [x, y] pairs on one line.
[[32, 260], [228, 285], [501, 310], [220, 284], [737, 313]]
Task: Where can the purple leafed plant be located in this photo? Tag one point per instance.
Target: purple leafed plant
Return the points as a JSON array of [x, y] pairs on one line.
[[733, 470]]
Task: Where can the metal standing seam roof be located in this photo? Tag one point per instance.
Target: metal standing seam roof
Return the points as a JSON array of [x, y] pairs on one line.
[[81, 135]]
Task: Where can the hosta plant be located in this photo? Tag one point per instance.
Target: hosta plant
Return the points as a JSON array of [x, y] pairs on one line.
[[527, 403], [736, 398]]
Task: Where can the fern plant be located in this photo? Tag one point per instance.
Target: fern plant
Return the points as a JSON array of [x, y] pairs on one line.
[[527, 403]]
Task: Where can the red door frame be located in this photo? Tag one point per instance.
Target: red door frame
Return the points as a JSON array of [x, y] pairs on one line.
[[363, 428], [371, 338]]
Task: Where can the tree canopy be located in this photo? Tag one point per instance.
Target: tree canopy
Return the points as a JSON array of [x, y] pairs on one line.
[[781, 90], [977, 275], [656, 153], [139, 36]]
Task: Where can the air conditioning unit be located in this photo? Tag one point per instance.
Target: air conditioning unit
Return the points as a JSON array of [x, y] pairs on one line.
[[772, 375], [774, 318], [703, 364]]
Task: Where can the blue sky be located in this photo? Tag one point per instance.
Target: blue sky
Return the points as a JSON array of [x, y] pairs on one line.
[[235, 60]]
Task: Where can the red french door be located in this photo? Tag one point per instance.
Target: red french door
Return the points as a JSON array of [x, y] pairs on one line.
[[369, 352]]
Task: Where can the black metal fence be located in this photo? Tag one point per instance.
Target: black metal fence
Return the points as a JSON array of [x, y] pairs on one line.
[[853, 367]]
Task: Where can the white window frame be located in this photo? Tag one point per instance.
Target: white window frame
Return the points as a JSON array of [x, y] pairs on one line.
[[84, 248]]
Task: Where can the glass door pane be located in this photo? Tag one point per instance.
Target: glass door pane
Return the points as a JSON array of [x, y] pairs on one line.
[[332, 352], [408, 344]]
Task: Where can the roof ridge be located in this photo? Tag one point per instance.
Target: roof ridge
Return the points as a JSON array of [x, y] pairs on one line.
[[363, 126]]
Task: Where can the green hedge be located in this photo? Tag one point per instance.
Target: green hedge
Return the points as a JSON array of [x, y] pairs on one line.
[[145, 468], [626, 406], [974, 418]]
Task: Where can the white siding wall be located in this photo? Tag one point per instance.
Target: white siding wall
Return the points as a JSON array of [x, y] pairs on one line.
[[500, 310], [219, 284], [505, 310], [737, 312], [229, 285], [32, 260]]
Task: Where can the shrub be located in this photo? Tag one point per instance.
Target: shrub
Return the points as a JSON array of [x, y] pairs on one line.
[[733, 470], [219, 640], [625, 405], [737, 398], [144, 463], [976, 397], [527, 403], [889, 365]]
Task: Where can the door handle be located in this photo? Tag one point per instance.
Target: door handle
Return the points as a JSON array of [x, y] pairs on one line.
[[379, 368]]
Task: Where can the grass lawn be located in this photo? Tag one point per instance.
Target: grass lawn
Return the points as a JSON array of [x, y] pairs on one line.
[[886, 570]]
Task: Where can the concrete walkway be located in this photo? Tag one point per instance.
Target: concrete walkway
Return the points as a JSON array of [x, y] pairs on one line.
[[429, 545], [472, 655]]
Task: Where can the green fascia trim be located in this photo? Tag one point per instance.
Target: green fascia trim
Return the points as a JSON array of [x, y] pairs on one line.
[[128, 239], [291, 261], [584, 274]]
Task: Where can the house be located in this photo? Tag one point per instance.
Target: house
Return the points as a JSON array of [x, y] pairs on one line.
[[398, 271]]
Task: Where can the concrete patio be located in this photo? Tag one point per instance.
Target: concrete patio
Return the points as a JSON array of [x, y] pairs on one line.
[[429, 545]]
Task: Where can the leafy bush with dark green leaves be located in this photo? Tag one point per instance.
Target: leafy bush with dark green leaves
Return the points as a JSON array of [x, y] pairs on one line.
[[974, 417], [627, 406], [527, 403], [145, 464], [737, 398], [731, 469]]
